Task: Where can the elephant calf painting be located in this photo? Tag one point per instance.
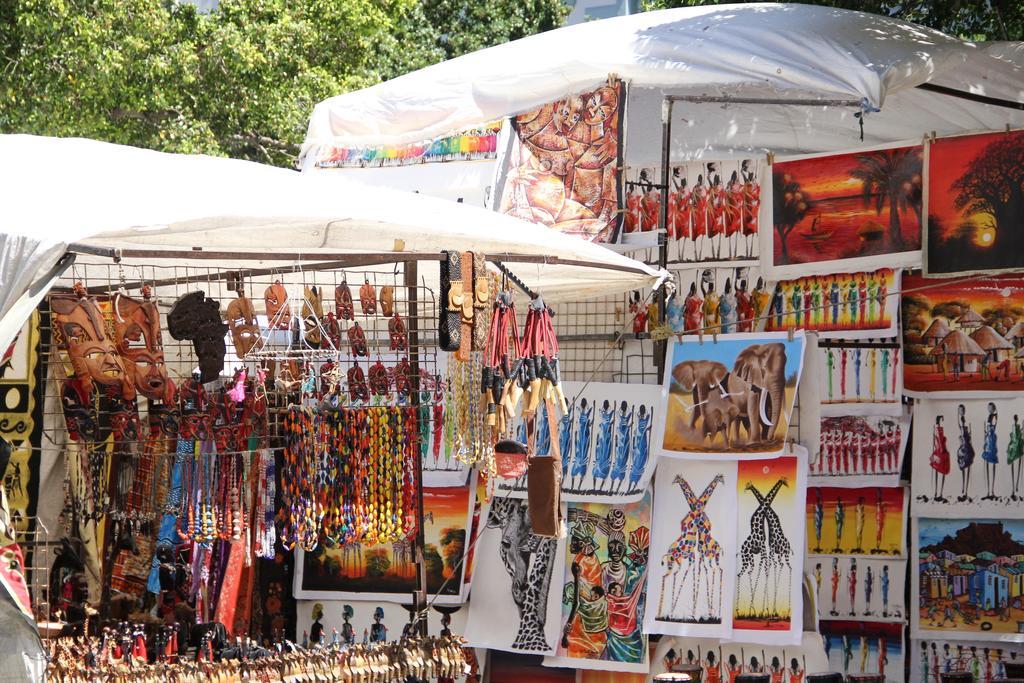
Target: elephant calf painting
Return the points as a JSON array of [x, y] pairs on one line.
[[735, 395]]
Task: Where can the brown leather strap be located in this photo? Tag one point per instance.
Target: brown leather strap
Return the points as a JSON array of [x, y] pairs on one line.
[[466, 338]]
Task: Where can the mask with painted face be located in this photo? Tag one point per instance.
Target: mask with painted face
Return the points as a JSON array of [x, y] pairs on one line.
[[93, 356], [139, 341], [245, 332]]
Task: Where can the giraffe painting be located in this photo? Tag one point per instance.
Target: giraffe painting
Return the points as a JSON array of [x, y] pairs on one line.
[[529, 564]]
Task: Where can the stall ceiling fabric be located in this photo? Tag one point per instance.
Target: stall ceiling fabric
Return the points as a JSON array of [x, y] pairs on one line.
[[751, 50], [63, 191]]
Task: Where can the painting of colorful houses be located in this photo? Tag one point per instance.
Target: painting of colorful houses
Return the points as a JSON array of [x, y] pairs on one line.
[[970, 576], [966, 331]]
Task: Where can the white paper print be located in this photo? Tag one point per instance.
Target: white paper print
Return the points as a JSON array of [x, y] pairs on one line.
[[860, 378], [869, 589], [513, 604], [604, 440], [723, 661], [723, 299], [693, 549], [986, 661], [859, 647], [968, 458], [860, 450]]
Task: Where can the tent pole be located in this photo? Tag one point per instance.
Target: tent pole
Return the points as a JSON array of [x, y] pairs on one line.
[[783, 101], [419, 596], [666, 151]]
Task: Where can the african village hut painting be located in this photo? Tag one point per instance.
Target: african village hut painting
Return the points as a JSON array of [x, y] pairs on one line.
[[969, 578], [693, 552], [604, 587], [838, 305], [861, 209], [970, 332], [734, 395], [975, 204], [562, 166], [713, 209], [516, 575], [768, 606], [859, 647], [869, 521], [866, 588], [604, 440], [386, 571], [968, 458]]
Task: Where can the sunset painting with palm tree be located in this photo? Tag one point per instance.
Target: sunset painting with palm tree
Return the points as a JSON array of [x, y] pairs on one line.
[[844, 206]]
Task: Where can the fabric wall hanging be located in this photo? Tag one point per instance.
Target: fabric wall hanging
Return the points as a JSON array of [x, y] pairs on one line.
[[967, 458], [974, 204], [733, 395], [837, 305], [604, 586], [693, 557], [856, 647], [868, 589], [386, 571], [832, 212], [967, 331], [524, 585], [605, 442], [768, 607], [561, 166], [965, 574], [868, 521], [858, 450]]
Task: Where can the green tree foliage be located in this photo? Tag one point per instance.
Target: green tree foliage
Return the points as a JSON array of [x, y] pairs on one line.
[[240, 81], [969, 19], [377, 562]]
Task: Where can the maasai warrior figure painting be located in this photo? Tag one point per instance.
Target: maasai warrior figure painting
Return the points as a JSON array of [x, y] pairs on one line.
[[855, 450], [847, 305], [975, 204], [562, 167], [858, 647], [985, 661], [834, 211], [856, 521], [604, 588], [730, 396], [694, 549], [769, 575], [969, 332]]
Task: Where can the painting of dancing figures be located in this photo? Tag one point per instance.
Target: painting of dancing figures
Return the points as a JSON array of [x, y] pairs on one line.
[[604, 440], [690, 588], [768, 605], [604, 587]]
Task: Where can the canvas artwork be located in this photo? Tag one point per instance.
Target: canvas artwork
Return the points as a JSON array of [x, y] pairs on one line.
[[969, 578], [768, 607], [604, 587], [561, 169], [604, 440], [859, 647], [974, 205], [964, 331], [713, 209], [860, 377], [720, 661], [730, 396], [982, 439], [690, 586], [870, 521], [855, 210], [357, 621], [838, 305], [523, 586], [860, 450], [869, 589], [985, 661], [719, 300], [387, 571]]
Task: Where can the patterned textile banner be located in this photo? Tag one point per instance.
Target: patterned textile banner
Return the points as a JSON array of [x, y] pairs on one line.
[[561, 166]]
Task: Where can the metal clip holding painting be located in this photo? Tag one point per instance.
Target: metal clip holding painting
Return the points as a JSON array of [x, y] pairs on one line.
[[771, 158], [790, 332]]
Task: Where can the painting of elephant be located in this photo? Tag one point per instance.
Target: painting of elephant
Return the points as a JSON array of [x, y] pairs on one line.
[[734, 395]]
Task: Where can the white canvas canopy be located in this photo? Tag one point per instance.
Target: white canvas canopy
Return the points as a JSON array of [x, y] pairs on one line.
[[787, 51], [59, 192]]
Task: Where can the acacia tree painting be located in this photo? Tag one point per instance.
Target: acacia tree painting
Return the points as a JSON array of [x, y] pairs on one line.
[[892, 177], [976, 203], [790, 205]]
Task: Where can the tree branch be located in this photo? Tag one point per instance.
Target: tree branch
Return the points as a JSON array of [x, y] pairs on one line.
[[257, 140]]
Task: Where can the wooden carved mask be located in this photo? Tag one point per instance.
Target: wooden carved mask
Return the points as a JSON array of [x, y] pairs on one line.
[[245, 332], [279, 315], [93, 355], [139, 341]]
